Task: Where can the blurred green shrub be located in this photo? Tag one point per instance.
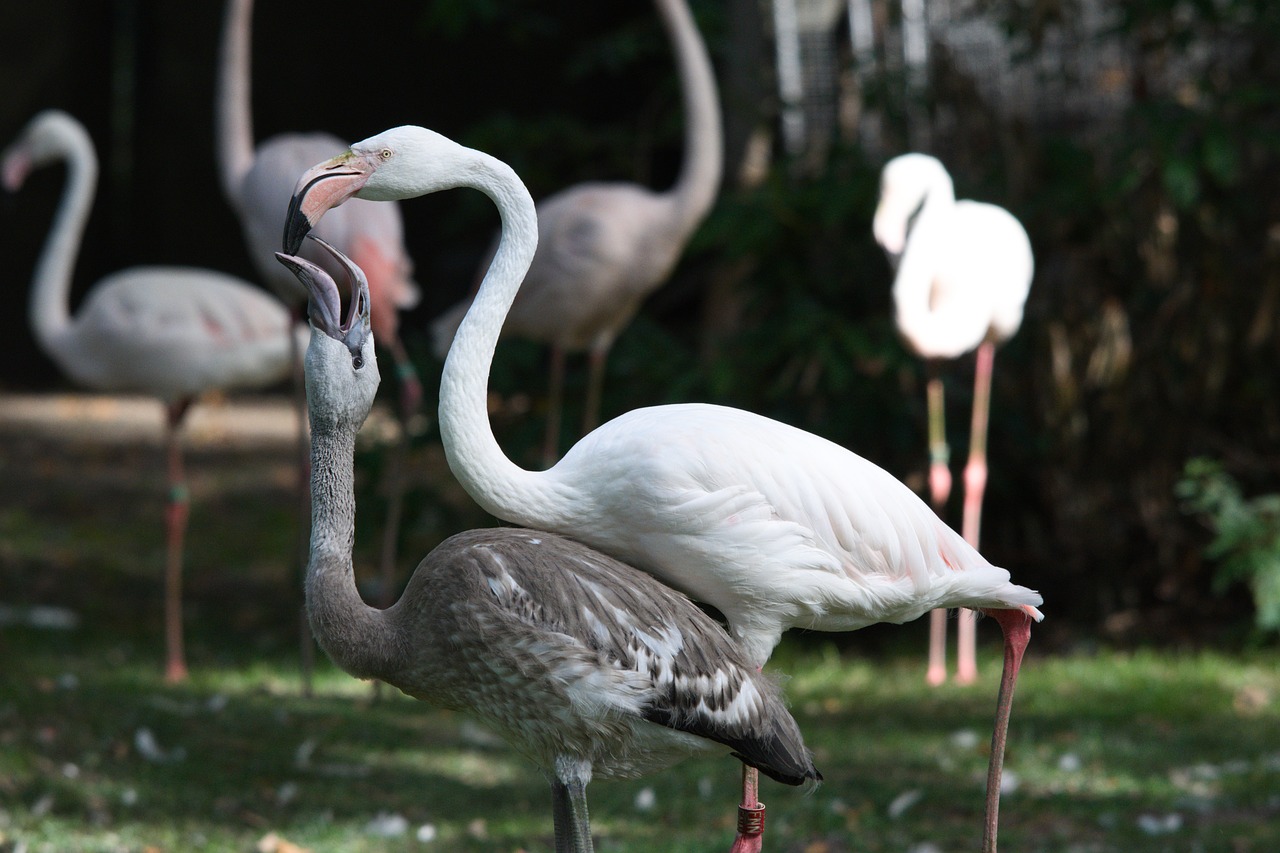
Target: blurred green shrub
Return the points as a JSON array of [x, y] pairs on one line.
[[1246, 541]]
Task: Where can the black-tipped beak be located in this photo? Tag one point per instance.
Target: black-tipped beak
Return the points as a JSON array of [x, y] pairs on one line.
[[322, 187], [296, 228]]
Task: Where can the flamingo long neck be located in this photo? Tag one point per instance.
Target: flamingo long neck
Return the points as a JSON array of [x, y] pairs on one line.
[[500, 486], [358, 637], [235, 111], [939, 196], [51, 286], [695, 188]]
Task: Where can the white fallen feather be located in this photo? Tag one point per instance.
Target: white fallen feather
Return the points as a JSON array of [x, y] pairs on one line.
[[904, 801], [387, 825]]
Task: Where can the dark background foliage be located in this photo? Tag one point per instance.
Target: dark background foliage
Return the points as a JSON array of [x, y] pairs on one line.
[[1150, 336]]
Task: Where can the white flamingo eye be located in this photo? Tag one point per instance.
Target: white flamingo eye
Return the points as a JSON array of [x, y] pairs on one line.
[[385, 153]]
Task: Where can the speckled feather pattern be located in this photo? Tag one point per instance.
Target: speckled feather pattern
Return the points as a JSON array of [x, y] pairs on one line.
[[568, 652]]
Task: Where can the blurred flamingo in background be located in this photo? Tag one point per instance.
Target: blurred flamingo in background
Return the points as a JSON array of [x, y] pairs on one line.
[[604, 247], [963, 274], [258, 182], [774, 526], [171, 332]]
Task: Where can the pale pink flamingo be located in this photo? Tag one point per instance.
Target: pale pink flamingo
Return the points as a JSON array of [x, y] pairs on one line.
[[774, 526], [171, 332], [963, 273], [604, 247], [258, 182], [588, 667]]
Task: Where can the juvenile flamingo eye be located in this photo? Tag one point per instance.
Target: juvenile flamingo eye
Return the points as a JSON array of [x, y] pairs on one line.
[[357, 361]]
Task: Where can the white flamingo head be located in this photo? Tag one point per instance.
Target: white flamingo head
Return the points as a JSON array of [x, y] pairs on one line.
[[42, 141], [399, 163], [905, 183], [341, 365]]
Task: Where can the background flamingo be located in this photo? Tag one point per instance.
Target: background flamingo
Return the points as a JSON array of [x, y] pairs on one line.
[[172, 332], [604, 247], [585, 665], [258, 182], [774, 526], [963, 273]]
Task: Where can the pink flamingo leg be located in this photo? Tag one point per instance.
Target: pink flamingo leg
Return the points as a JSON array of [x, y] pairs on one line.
[[939, 491], [595, 387], [302, 544], [975, 483], [551, 444], [750, 837], [176, 513], [395, 465], [1016, 626]]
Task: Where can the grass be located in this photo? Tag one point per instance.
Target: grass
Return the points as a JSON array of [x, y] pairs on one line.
[[1110, 751]]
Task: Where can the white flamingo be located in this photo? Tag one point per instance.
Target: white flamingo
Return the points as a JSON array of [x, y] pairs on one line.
[[171, 332], [603, 247], [776, 527], [963, 273], [585, 665]]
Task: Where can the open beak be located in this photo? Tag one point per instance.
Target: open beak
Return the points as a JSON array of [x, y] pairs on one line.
[[326, 301], [321, 188]]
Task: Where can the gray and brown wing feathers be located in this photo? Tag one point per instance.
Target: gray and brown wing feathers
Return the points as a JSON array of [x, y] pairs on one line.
[[647, 650]]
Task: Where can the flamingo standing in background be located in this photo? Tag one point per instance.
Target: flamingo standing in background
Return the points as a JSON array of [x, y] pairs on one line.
[[963, 273], [774, 526], [171, 332], [583, 664], [258, 182], [604, 247]]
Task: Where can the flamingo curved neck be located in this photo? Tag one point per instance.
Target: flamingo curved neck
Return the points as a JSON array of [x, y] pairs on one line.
[[500, 486], [695, 188], [51, 285], [359, 638], [235, 110]]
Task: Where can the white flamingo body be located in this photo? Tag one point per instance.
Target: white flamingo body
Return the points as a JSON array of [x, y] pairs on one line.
[[775, 526], [964, 268], [171, 332], [174, 333]]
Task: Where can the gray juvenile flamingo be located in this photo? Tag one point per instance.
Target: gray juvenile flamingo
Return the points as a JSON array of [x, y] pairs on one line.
[[603, 247], [585, 665], [776, 527], [171, 332], [963, 274]]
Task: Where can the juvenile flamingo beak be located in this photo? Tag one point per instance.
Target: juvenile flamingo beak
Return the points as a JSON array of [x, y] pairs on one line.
[[321, 188]]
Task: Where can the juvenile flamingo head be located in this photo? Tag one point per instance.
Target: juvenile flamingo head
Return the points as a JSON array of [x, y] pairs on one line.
[[341, 354]]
